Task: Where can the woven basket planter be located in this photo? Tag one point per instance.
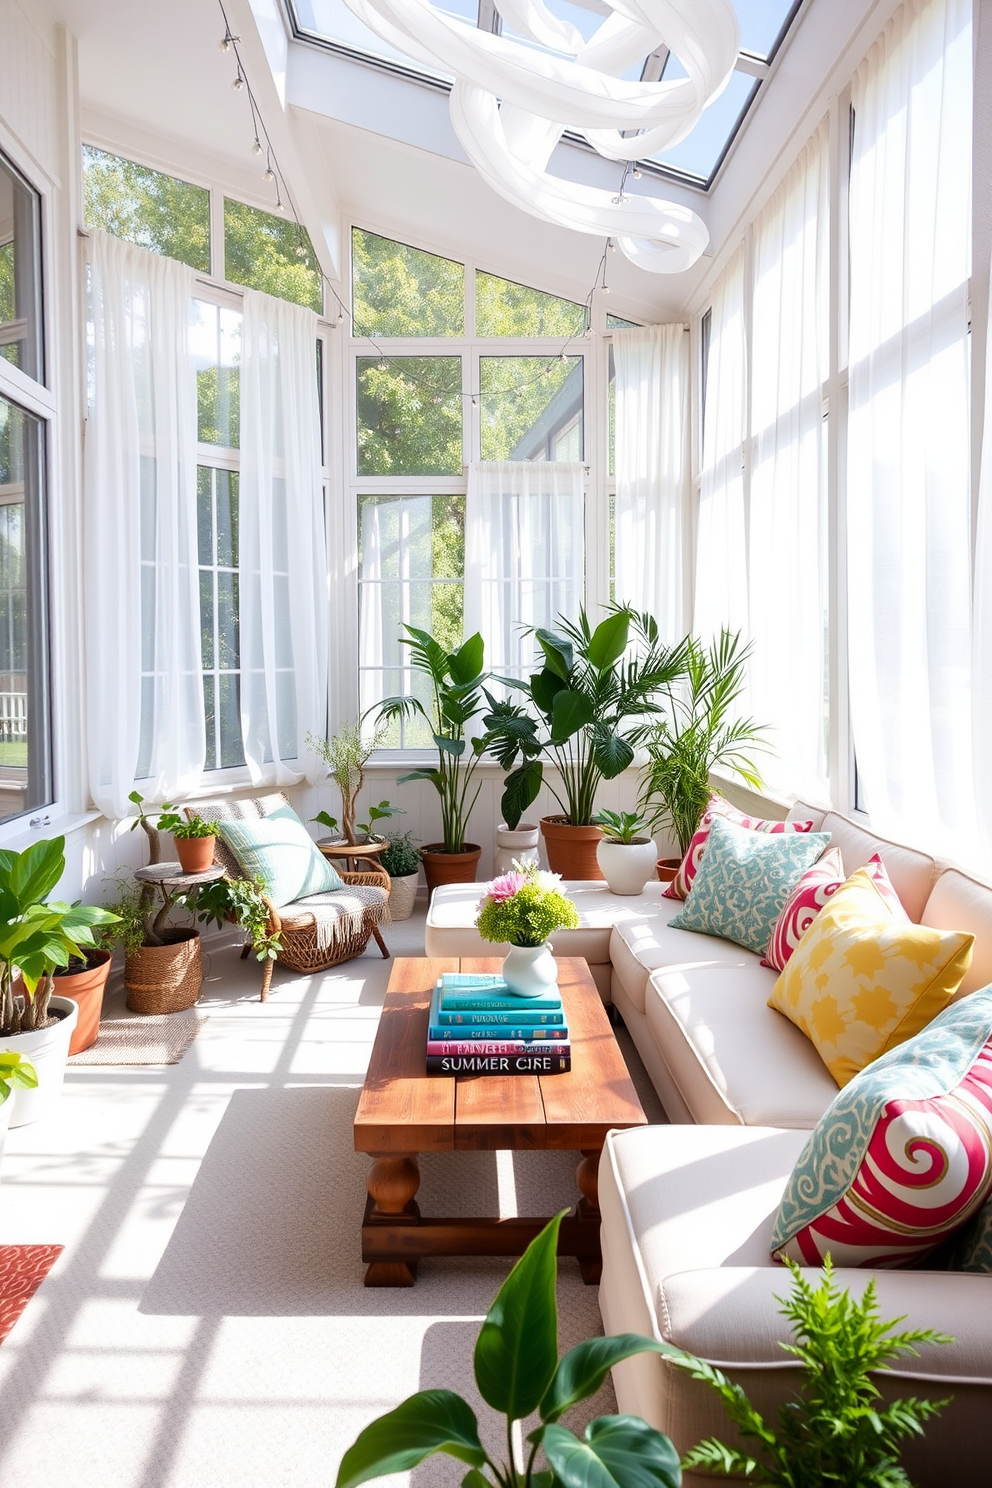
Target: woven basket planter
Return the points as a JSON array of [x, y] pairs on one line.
[[167, 978], [403, 895]]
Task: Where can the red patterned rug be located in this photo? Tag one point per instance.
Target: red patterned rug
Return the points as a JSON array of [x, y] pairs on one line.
[[22, 1270]]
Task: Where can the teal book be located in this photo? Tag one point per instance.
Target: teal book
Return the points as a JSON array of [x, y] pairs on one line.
[[469, 1028], [467, 992]]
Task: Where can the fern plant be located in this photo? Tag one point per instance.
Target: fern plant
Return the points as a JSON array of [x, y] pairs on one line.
[[836, 1431]]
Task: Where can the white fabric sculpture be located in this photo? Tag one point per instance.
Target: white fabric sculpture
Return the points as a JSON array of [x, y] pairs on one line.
[[510, 104]]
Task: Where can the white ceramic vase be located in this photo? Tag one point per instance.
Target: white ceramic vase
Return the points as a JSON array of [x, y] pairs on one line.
[[627, 866], [403, 895], [519, 844], [47, 1049], [530, 971]]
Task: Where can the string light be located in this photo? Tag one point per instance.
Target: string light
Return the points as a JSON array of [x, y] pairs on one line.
[[272, 173]]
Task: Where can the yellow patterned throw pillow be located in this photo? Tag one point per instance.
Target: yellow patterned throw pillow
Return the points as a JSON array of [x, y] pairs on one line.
[[862, 980]]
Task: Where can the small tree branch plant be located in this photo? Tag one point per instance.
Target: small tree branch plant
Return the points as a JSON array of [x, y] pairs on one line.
[[36, 933], [455, 680], [518, 1372], [696, 734], [346, 754], [836, 1431]]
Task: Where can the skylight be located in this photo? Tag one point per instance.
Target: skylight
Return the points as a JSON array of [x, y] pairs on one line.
[[763, 23]]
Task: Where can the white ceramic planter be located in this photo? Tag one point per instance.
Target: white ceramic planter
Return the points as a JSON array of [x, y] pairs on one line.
[[403, 895], [530, 971], [520, 845], [627, 866], [47, 1049]]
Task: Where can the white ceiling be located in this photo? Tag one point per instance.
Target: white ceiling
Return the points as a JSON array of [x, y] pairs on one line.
[[382, 149]]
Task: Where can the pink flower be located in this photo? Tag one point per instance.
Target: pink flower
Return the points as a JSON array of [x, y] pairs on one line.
[[506, 886]]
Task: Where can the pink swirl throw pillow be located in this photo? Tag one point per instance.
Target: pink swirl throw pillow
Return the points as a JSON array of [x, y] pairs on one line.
[[688, 868], [818, 885]]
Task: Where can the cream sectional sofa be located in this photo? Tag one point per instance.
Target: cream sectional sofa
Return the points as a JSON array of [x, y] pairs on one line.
[[688, 1208]]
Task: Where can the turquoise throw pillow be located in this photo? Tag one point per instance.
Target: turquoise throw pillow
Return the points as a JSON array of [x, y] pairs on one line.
[[743, 881], [279, 850]]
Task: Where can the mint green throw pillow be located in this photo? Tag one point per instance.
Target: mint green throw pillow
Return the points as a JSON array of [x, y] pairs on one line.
[[279, 850], [743, 881]]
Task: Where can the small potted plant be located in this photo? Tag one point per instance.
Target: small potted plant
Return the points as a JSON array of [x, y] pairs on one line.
[[523, 908], [698, 731], [194, 838], [346, 754], [37, 934], [401, 861], [627, 854]]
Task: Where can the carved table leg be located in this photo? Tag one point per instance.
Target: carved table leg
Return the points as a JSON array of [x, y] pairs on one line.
[[587, 1178], [392, 1184]]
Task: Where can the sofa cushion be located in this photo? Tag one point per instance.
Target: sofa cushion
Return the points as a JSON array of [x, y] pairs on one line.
[[958, 902], [911, 873], [278, 849], [720, 808], [743, 881], [864, 979], [734, 1060], [638, 947], [903, 1157], [815, 889]]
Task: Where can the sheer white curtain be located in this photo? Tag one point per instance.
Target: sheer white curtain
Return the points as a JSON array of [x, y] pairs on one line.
[[396, 588], [524, 554], [721, 562], [144, 690], [908, 491], [787, 537], [652, 470], [283, 584]]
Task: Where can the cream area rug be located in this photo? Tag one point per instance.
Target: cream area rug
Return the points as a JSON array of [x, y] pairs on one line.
[[206, 1324], [159, 1038]]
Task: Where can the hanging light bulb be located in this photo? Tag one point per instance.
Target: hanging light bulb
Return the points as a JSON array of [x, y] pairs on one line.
[[636, 173], [611, 246], [280, 205], [238, 83], [256, 148], [268, 174], [562, 357], [340, 317], [301, 252]]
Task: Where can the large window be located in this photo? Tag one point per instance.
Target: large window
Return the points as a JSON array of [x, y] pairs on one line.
[[25, 756], [21, 341], [424, 412]]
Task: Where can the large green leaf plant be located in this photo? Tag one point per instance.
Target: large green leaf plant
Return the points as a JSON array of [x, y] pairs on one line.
[[518, 1372], [454, 681], [37, 934], [581, 710]]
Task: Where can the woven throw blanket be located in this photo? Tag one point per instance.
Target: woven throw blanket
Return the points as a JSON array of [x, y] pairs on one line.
[[338, 915]]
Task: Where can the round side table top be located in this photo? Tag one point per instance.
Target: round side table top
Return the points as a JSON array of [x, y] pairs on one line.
[[333, 847], [171, 875]]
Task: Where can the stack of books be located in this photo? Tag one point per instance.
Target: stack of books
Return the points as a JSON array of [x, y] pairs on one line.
[[478, 1027]]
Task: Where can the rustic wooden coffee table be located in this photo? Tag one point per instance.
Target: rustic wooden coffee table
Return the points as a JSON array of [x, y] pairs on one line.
[[403, 1111]]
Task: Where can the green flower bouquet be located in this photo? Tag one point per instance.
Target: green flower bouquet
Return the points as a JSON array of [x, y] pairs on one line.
[[525, 907]]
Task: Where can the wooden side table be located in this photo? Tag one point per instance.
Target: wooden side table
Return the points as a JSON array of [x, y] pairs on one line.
[[363, 852], [172, 883]]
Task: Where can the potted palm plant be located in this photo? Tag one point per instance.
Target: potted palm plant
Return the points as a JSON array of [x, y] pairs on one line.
[[455, 680], [697, 732], [581, 710], [37, 934]]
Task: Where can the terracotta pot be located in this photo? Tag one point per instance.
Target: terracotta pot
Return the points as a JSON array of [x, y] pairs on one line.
[[166, 978], [196, 854], [666, 868], [47, 1049], [571, 850], [86, 990], [442, 867]]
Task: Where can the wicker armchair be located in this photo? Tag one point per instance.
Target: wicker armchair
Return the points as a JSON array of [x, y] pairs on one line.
[[362, 911]]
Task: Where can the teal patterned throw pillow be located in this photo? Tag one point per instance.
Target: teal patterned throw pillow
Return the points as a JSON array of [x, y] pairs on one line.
[[972, 1249], [743, 881], [279, 850]]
